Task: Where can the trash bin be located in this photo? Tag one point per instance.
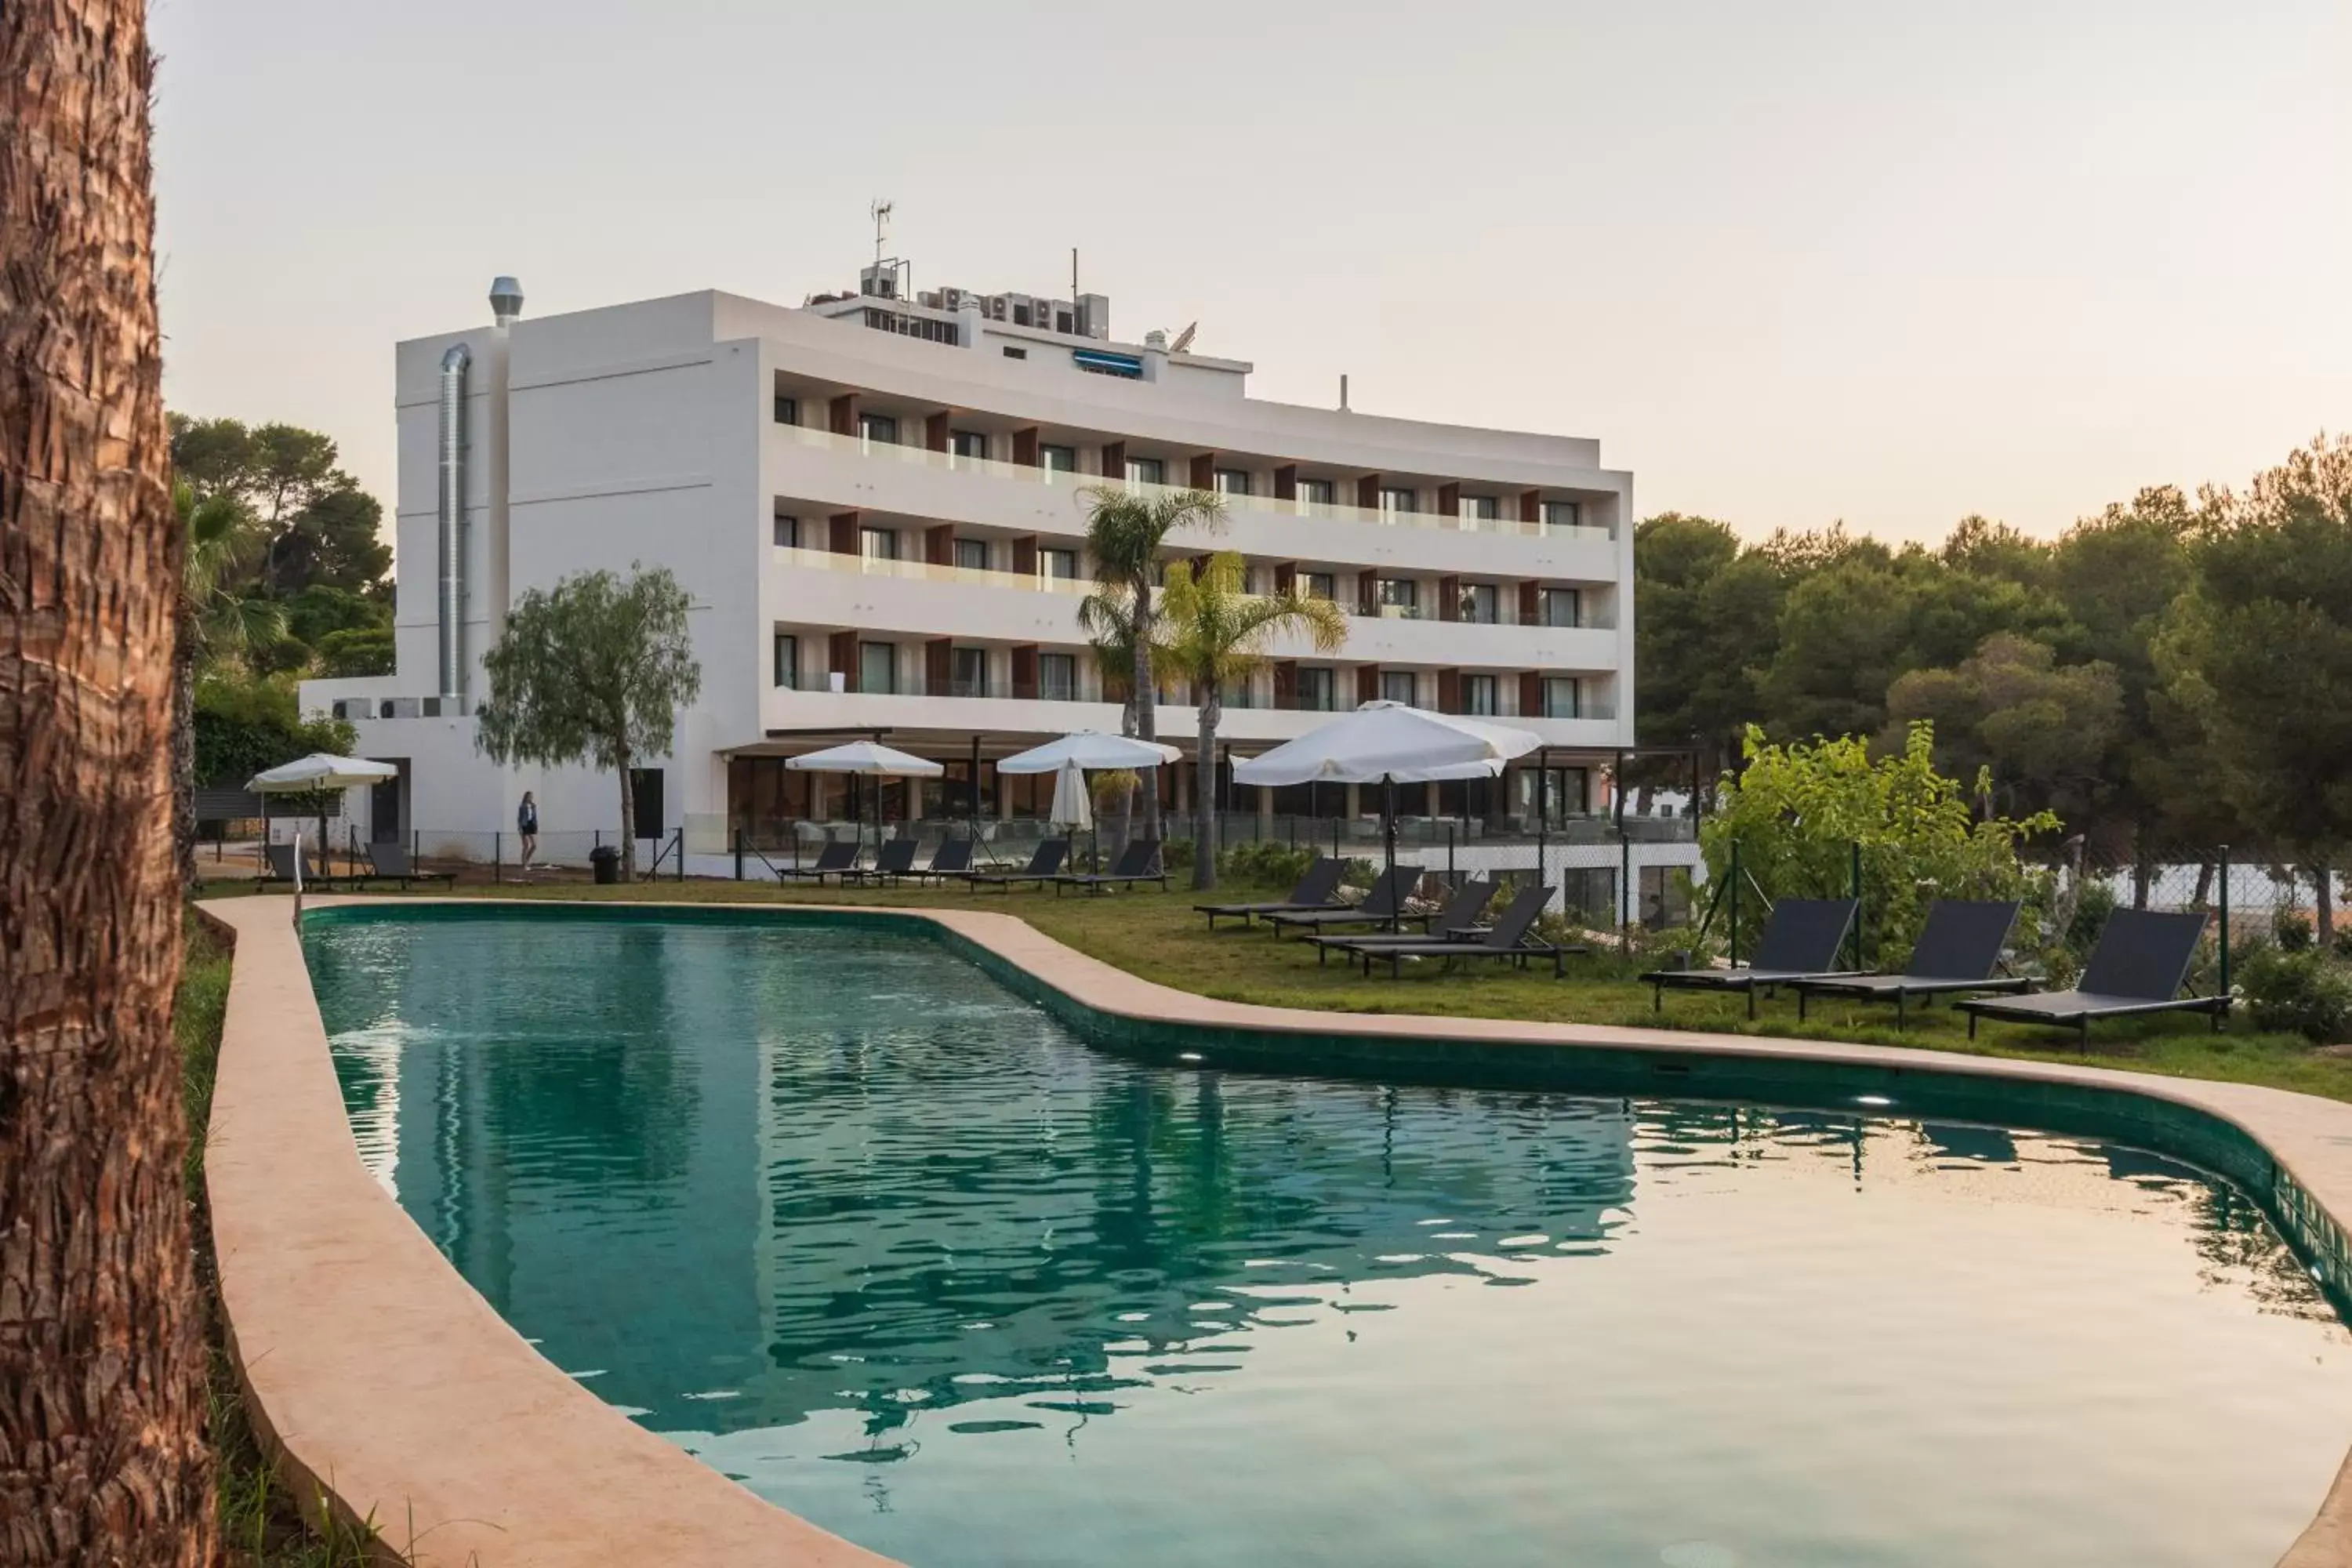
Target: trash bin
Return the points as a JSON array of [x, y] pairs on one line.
[[606, 859]]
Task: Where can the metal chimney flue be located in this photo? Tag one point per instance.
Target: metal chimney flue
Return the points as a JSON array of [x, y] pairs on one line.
[[506, 299]]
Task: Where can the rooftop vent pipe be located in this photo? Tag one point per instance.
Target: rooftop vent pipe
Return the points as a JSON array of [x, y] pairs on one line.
[[452, 518], [506, 299]]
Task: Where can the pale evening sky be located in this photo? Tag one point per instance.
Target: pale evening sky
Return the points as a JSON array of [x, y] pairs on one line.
[[1789, 262]]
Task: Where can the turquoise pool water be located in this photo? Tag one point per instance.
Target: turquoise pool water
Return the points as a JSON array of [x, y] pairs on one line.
[[843, 1217]]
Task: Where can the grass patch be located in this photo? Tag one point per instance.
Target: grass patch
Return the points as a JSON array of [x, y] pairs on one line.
[[260, 1525], [1155, 935]]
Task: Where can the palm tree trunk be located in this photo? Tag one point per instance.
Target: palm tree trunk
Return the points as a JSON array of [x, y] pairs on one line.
[[183, 749], [1204, 790], [102, 1454], [1147, 707]]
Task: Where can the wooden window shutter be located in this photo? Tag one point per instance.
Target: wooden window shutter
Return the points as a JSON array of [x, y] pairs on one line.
[[935, 431], [1367, 682], [1286, 577], [841, 657], [1204, 470], [1286, 482], [844, 415], [939, 544], [1449, 502], [1530, 694], [1449, 692], [1530, 604], [1285, 684], [1531, 506], [1449, 598], [1368, 592], [1024, 670], [1367, 492], [1024, 558], [1114, 460], [843, 530], [1024, 446], [939, 666]]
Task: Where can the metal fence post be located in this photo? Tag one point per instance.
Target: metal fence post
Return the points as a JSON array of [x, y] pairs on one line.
[[1451, 878], [2224, 852], [1625, 890], [738, 854], [681, 851], [498, 856], [1856, 848], [1734, 891]]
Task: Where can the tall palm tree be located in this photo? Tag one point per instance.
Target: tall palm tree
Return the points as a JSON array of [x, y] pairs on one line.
[[216, 623], [1215, 634], [1126, 531], [1108, 618], [102, 1452]]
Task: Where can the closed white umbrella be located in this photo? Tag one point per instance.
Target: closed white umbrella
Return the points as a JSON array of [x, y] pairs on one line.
[[1389, 744], [1072, 806], [319, 771], [869, 759], [1091, 750]]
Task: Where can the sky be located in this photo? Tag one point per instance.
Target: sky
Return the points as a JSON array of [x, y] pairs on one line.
[[1790, 263]]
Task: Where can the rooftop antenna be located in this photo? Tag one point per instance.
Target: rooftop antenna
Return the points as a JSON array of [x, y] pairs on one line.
[[1343, 392], [879, 211], [1185, 338]]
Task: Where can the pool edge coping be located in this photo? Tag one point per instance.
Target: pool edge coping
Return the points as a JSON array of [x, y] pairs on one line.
[[311, 1247]]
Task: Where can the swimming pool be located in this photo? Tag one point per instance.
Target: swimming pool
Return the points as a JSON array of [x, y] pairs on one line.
[[840, 1214]]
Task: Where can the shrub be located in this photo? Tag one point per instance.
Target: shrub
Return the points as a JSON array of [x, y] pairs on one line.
[[2292, 930], [2302, 991], [1266, 863], [1175, 855]]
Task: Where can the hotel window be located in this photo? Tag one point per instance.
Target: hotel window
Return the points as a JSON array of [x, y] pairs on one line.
[[1057, 563], [968, 443], [1561, 606], [1395, 500], [1146, 471], [1396, 686], [1402, 595], [788, 532], [971, 554], [1479, 605], [878, 544], [1478, 694], [1562, 515], [1057, 460], [1316, 492], [1318, 584], [1481, 509], [1231, 481], [1318, 691], [878, 667], [969, 676], [788, 410], [881, 429], [787, 659], [1560, 696], [1058, 677]]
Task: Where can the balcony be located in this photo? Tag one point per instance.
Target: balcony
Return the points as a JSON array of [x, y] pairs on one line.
[[1269, 506], [924, 572]]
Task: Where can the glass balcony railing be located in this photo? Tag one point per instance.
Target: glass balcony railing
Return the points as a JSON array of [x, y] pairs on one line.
[[924, 572], [1377, 517]]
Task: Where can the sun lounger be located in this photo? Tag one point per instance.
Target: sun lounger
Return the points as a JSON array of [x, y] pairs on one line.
[[2139, 965], [280, 860], [951, 858], [390, 863], [1315, 890], [892, 861], [1800, 941], [1383, 905], [837, 858], [1138, 862], [1509, 938], [1958, 950], [1043, 867], [1462, 909]]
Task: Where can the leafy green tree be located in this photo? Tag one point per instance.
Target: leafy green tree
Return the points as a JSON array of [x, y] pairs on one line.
[[1108, 618], [217, 626], [319, 525], [1707, 623], [245, 723], [1214, 633], [2259, 650], [2037, 730], [356, 651], [1126, 531], [1796, 812], [592, 672]]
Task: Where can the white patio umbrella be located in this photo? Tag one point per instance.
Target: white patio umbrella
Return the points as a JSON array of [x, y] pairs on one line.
[[1072, 806], [1389, 744], [320, 771], [868, 759], [1091, 750]]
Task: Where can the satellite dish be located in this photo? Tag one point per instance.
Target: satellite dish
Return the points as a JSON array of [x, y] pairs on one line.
[[1185, 338]]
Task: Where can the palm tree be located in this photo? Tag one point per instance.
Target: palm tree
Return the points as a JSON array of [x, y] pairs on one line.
[[216, 623], [1108, 618], [1215, 633], [102, 1451], [1126, 531]]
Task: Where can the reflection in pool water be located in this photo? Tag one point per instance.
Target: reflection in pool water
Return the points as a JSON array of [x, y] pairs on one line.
[[862, 1229]]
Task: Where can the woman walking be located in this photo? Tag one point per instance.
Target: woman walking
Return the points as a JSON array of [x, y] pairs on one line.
[[526, 824]]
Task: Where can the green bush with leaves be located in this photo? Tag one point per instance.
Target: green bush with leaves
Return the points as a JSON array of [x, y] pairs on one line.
[[246, 723], [1266, 863], [1797, 813], [2296, 990]]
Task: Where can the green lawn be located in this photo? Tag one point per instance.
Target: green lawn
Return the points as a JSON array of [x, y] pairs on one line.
[[1157, 936]]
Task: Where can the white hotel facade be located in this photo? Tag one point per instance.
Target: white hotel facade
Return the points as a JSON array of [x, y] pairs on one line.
[[877, 505]]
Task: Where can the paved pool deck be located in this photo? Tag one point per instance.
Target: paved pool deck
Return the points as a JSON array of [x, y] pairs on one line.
[[384, 1379]]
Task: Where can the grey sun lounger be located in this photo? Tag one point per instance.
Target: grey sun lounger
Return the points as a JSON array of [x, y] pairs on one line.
[[892, 861], [1461, 909], [1383, 904], [2139, 965], [1800, 941], [1958, 950], [1507, 939], [951, 858], [280, 860], [835, 859], [1044, 865], [390, 863], [1315, 890], [1138, 862]]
